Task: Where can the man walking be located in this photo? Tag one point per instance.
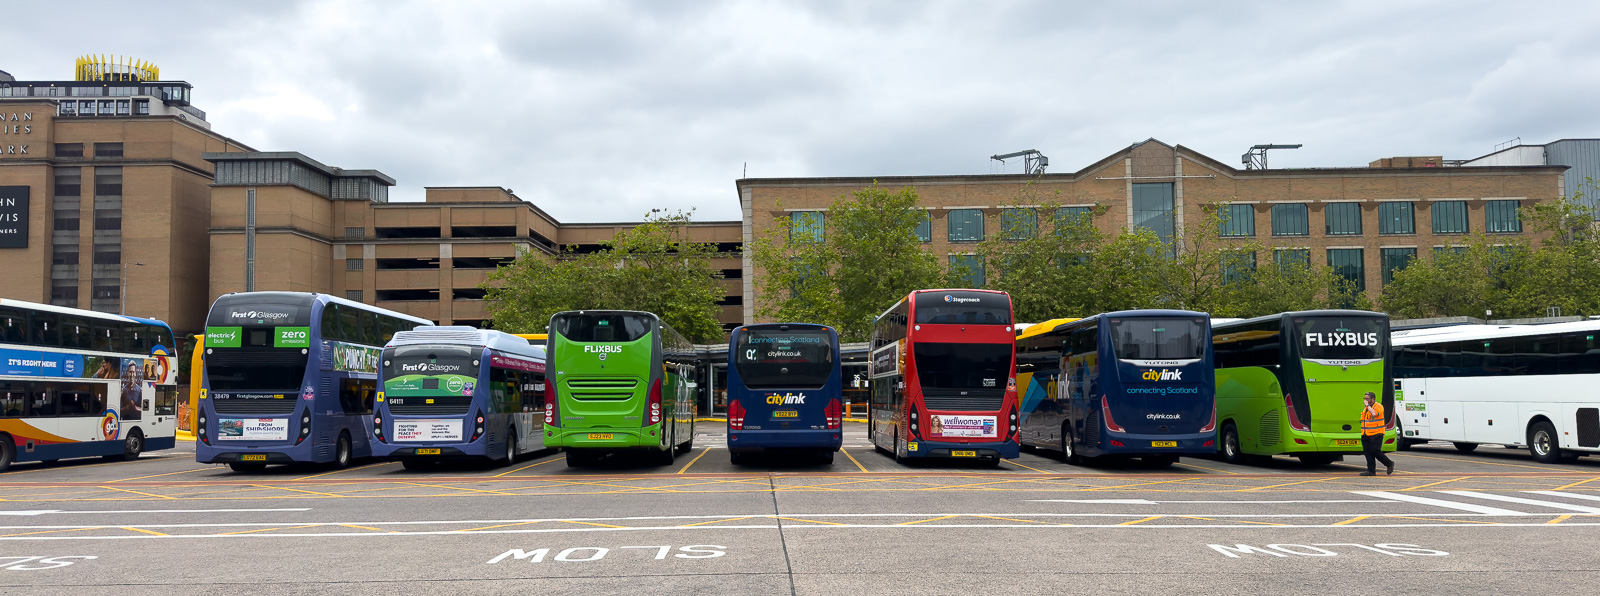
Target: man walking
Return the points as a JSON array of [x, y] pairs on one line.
[[1372, 437]]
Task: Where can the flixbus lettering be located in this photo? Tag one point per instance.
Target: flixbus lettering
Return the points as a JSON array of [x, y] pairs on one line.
[[602, 349], [1342, 339]]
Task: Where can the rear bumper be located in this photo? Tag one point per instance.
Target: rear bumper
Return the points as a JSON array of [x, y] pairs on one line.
[[785, 439], [591, 438], [409, 450], [1135, 444], [1002, 449], [1314, 442]]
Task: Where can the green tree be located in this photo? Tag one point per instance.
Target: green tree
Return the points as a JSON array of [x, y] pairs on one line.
[[847, 266], [652, 267]]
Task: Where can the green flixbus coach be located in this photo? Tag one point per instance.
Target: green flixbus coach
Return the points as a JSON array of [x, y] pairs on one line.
[[1292, 383], [618, 381]]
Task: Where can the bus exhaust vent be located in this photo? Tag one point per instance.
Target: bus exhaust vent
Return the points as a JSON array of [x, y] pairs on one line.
[[1270, 426], [449, 336]]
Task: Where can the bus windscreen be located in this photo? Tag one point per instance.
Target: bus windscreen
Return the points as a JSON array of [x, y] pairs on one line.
[[601, 327], [1158, 339], [1340, 338], [430, 370], [977, 369], [963, 308], [776, 359]]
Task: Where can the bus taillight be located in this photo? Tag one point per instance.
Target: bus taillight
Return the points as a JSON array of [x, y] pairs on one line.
[[305, 427], [655, 404], [735, 415], [200, 430], [915, 433], [477, 431], [1212, 425], [1111, 425], [377, 428], [834, 414], [1012, 436], [1294, 417], [551, 416]]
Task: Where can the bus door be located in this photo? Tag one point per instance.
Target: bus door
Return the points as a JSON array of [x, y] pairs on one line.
[[1411, 406]]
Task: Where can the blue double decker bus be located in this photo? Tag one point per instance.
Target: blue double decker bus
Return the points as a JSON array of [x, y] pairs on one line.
[[290, 377], [1127, 384], [459, 393], [785, 393]]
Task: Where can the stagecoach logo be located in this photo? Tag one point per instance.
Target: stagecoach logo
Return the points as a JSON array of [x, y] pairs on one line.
[[787, 399], [1161, 375], [1342, 339], [958, 299]]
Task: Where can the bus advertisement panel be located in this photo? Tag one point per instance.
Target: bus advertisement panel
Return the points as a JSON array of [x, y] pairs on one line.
[[290, 377], [944, 377], [455, 393], [1292, 383], [785, 392], [1125, 384], [78, 383], [623, 381]]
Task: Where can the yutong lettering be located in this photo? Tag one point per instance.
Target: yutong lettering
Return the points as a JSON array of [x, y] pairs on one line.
[[1342, 339]]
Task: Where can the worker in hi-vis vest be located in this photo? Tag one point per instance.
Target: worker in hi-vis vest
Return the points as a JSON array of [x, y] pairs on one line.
[[1372, 436]]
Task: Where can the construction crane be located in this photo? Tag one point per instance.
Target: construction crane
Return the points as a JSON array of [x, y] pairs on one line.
[[1256, 157], [1033, 161]]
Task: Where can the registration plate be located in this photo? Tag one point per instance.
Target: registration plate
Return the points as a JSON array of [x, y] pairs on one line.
[[786, 414], [258, 457], [427, 452], [599, 436], [963, 454], [1163, 443], [1345, 442]]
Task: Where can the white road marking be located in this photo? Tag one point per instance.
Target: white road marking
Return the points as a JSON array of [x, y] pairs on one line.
[[1551, 493], [1438, 502], [35, 512], [1145, 502], [1533, 502], [1106, 501]]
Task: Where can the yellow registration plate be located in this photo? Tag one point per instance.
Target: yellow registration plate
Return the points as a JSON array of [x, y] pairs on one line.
[[248, 457], [963, 454], [1345, 442], [1163, 443], [428, 451], [599, 436], [786, 414]]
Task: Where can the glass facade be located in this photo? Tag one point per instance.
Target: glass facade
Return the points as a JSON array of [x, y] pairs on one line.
[[1343, 219], [973, 276], [1018, 224], [1450, 217], [1237, 220], [925, 229], [1291, 219], [1501, 217], [966, 225], [1153, 209], [1347, 263], [1397, 218], [807, 226], [1395, 259], [1287, 257]]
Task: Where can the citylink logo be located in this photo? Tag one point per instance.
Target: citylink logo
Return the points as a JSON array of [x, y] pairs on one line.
[[958, 300], [602, 349], [787, 399], [1161, 375], [1163, 416]]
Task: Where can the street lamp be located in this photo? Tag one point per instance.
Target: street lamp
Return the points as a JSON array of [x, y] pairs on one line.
[[122, 296]]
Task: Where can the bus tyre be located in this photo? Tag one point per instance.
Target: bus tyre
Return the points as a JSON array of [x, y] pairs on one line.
[[246, 468], [900, 459], [687, 446], [825, 457], [736, 457], [1543, 443], [131, 447], [509, 456], [341, 452], [1231, 451], [8, 452], [1069, 449], [1470, 447]]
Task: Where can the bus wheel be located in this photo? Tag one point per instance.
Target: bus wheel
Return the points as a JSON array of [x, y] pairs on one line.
[[244, 467], [736, 457], [131, 447], [1069, 451], [8, 452], [1470, 447], [687, 446], [341, 452], [510, 455], [899, 459], [1543, 443], [825, 457], [1231, 452]]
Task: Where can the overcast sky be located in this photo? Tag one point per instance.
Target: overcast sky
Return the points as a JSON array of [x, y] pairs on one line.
[[600, 111]]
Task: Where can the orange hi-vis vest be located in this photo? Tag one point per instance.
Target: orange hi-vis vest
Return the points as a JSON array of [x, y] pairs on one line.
[[1372, 420]]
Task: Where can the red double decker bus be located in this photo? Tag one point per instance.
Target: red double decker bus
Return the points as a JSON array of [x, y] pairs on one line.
[[944, 377]]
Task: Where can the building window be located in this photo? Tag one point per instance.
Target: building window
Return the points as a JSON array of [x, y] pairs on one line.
[[107, 150], [354, 264], [1502, 217], [64, 254], [68, 108], [355, 295], [1286, 258], [1450, 217], [107, 107], [108, 255], [807, 226], [1343, 219], [1237, 220], [107, 181], [1290, 219], [969, 268], [1152, 209], [65, 223], [124, 107], [65, 294], [1066, 216], [107, 220], [1448, 251], [104, 292], [1237, 266], [69, 149], [1395, 259], [355, 233], [1397, 218], [141, 107], [925, 228], [1018, 224], [966, 225], [1347, 263], [69, 182]]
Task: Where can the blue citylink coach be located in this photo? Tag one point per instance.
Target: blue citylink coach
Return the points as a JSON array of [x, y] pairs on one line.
[[1129, 384], [784, 391]]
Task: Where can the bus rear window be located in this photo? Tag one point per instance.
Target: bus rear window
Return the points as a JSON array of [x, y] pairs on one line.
[[963, 308], [1158, 339], [774, 359], [601, 327], [1340, 338], [967, 367]]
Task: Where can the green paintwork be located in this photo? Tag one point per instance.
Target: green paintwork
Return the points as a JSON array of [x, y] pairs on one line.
[[412, 386], [1251, 397], [621, 413]]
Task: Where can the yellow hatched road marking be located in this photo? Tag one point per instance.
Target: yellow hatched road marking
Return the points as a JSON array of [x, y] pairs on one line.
[[1492, 463], [362, 527], [1577, 483], [1559, 519], [1026, 466], [350, 469], [269, 530], [591, 524], [137, 492], [1463, 521], [809, 521], [912, 523], [715, 521], [685, 467], [166, 474], [1010, 519], [1352, 520], [501, 526], [145, 531], [492, 492], [309, 492], [853, 460], [1244, 490], [1435, 483], [54, 531], [552, 459], [1205, 468], [1141, 484], [1140, 521]]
